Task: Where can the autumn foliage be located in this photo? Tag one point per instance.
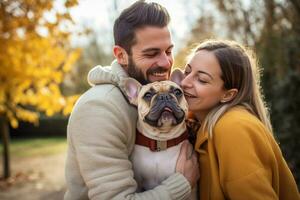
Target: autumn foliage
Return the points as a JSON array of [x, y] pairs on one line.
[[35, 55]]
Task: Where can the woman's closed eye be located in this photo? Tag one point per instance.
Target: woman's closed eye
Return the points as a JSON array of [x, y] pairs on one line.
[[202, 81]]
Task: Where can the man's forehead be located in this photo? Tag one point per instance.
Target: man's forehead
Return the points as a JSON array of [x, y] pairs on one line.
[[152, 38]]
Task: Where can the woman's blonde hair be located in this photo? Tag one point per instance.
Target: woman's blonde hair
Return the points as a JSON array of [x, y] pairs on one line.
[[239, 70]]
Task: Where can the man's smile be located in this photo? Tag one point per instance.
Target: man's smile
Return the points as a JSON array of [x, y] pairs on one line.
[[160, 74]]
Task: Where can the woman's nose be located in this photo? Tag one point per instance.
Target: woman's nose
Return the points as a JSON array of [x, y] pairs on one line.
[[186, 81]]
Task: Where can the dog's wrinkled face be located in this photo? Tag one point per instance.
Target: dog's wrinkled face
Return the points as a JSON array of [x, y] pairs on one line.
[[162, 104]]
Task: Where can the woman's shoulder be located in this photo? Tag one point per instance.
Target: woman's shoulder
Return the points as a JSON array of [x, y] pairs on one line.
[[239, 130], [237, 115], [239, 120]]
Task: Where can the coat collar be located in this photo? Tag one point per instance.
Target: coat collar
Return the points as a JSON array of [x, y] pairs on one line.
[[118, 70], [202, 137], [107, 74]]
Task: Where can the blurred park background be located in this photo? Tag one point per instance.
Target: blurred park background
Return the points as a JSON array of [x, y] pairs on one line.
[[48, 46]]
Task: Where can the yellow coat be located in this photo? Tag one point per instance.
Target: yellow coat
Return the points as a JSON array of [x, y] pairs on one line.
[[242, 161]]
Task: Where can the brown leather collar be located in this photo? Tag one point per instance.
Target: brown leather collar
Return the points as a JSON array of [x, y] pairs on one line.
[[157, 145]]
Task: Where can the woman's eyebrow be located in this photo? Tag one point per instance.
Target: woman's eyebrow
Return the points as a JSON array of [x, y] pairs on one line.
[[201, 72]]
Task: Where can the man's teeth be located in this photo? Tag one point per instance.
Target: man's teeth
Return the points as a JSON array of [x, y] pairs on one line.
[[159, 74]]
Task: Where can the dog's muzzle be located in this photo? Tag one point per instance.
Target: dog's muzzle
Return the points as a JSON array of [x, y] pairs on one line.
[[165, 109]]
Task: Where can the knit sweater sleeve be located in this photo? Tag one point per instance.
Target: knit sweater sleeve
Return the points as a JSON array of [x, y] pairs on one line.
[[100, 131]]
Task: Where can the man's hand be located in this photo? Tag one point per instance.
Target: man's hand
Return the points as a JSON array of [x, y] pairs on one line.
[[187, 163]]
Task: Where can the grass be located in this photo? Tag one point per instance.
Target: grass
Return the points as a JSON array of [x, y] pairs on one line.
[[32, 147]]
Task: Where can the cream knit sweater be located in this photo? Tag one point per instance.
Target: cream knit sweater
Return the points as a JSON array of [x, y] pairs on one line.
[[101, 135]]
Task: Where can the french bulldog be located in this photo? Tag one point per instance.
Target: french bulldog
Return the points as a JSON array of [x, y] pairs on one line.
[[161, 128]]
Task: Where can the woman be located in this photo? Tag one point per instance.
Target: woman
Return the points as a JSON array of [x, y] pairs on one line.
[[238, 155]]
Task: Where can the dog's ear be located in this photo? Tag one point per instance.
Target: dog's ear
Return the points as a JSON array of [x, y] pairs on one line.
[[130, 88], [177, 76]]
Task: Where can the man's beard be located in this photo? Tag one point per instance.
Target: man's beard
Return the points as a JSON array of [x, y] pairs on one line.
[[136, 73]]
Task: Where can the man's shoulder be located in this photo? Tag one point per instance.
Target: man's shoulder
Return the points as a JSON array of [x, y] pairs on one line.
[[104, 101], [104, 93]]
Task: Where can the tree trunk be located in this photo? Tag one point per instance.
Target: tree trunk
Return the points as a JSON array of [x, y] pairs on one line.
[[5, 141]]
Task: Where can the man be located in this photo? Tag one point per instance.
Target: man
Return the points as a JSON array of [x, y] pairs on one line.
[[101, 129]]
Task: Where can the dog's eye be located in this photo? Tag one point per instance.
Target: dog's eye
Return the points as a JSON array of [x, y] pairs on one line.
[[147, 96], [177, 92]]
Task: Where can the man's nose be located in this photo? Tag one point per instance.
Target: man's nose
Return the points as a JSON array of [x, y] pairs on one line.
[[165, 60]]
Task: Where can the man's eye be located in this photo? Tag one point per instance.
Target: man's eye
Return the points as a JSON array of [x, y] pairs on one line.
[[151, 55], [169, 52]]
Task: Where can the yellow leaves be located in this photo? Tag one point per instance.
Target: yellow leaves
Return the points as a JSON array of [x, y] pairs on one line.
[[182, 56], [21, 114], [32, 66], [12, 119], [14, 123], [69, 104], [71, 3], [57, 77], [24, 85], [26, 115], [63, 16], [73, 56], [2, 109], [2, 99], [2, 94]]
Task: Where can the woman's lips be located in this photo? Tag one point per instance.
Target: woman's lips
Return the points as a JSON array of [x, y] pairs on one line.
[[186, 94]]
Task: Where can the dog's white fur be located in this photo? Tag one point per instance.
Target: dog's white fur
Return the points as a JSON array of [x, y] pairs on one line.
[[150, 167]]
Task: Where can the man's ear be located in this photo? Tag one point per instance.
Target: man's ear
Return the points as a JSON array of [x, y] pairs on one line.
[[130, 88], [121, 55], [177, 76], [229, 95]]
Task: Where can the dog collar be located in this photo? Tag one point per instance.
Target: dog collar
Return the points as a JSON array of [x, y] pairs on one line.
[[158, 145]]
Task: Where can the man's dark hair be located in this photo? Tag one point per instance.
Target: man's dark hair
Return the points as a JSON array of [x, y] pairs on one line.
[[136, 16]]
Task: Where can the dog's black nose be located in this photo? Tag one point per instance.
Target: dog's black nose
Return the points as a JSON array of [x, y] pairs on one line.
[[164, 97]]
